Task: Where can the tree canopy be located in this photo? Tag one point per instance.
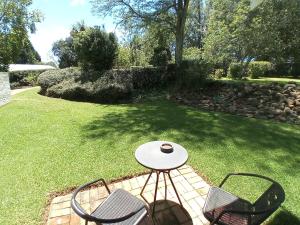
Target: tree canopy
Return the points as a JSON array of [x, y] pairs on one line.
[[170, 14], [16, 19]]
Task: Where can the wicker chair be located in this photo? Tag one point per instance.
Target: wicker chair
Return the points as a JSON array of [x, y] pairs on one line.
[[224, 208], [119, 208]]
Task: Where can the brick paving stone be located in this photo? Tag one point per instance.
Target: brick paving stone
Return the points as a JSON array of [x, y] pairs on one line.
[[190, 175], [196, 179], [199, 185], [133, 182], [191, 188], [94, 195], [60, 212], [102, 192], [126, 185], [62, 198], [60, 205], [84, 197], [59, 220]]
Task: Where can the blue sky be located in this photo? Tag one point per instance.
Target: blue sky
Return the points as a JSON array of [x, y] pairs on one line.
[[59, 16]]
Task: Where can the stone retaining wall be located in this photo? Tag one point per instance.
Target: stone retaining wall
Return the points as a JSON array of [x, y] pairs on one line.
[[4, 88]]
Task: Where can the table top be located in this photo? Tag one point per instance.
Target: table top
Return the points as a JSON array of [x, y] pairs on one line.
[[150, 156]]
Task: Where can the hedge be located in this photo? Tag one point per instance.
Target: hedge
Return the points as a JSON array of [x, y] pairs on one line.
[[111, 86], [259, 68], [235, 71], [24, 78]]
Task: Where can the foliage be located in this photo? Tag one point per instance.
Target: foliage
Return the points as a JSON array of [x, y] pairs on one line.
[[23, 78], [257, 69], [64, 50], [113, 86], [145, 78], [171, 15], [96, 49], [196, 23], [107, 86], [15, 19], [138, 55], [161, 56], [27, 54], [192, 53], [236, 71], [53, 77], [195, 73], [123, 58], [230, 35], [219, 73]]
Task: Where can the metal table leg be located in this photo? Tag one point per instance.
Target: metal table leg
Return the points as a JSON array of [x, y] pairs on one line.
[[156, 187]]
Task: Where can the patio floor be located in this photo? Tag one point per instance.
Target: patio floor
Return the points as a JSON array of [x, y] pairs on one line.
[[190, 186]]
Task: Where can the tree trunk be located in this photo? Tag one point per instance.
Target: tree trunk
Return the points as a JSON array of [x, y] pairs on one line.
[[182, 8]]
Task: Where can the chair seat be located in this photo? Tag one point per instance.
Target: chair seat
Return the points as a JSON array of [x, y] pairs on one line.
[[119, 204], [219, 200]]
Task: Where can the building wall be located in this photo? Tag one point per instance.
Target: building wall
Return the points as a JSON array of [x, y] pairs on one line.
[[4, 88]]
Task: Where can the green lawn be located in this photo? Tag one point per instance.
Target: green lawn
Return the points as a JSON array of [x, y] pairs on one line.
[[51, 144], [266, 80]]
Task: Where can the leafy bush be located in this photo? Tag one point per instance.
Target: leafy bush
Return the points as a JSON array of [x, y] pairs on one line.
[[23, 78], [161, 56], [96, 49], [192, 53], [258, 68], [193, 73], [219, 73], [70, 89], [113, 86], [123, 59], [53, 77], [147, 77], [235, 71]]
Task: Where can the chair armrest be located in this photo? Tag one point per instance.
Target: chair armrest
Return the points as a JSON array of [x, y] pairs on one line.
[[245, 174], [76, 206]]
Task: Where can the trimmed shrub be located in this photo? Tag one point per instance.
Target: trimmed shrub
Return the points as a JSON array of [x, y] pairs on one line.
[[96, 49], [113, 86], [70, 89], [23, 78], [218, 74], [258, 68], [194, 73], [161, 56], [235, 71], [53, 77], [147, 77]]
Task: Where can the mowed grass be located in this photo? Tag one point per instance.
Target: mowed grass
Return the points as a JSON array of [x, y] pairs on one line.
[[50, 144], [265, 80]]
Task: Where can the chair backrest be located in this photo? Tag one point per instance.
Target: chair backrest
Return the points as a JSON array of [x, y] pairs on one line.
[[268, 203]]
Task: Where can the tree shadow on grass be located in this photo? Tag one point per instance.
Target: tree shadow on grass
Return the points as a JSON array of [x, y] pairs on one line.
[[187, 125]]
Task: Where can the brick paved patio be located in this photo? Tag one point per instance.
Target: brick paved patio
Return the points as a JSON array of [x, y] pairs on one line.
[[190, 186]]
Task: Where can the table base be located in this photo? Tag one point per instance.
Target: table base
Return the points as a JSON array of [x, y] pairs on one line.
[[158, 172]]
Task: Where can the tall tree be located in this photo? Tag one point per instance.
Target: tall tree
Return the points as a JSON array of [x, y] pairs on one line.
[[171, 14], [16, 19]]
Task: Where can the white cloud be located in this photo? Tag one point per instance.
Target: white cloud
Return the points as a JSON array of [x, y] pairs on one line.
[[44, 38], [77, 2]]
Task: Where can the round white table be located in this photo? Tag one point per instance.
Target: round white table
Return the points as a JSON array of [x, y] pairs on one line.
[[150, 156]]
